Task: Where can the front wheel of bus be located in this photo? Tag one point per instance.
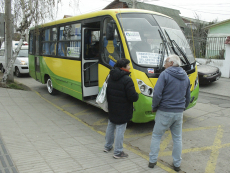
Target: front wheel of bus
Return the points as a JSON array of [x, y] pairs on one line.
[[50, 88]]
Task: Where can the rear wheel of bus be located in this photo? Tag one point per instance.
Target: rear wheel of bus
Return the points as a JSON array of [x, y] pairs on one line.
[[50, 88]]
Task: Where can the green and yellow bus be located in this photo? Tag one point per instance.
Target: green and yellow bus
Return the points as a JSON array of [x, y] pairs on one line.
[[74, 55]]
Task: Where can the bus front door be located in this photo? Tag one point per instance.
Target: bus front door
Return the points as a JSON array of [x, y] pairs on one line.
[[90, 58]]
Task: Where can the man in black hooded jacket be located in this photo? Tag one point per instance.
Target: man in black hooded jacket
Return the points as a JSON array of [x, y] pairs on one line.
[[121, 94]]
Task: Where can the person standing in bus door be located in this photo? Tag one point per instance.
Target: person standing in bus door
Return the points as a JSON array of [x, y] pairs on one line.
[[170, 98], [120, 96]]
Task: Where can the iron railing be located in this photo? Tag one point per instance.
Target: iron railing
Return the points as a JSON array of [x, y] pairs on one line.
[[208, 47]]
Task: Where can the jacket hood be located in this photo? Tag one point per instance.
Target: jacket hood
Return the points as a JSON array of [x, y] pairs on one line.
[[176, 72], [117, 73]]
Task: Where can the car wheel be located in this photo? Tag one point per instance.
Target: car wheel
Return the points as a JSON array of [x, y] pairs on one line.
[[2, 69], [17, 72], [50, 88]]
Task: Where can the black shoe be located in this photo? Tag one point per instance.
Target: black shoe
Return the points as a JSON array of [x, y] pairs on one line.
[[151, 165], [177, 169], [121, 155]]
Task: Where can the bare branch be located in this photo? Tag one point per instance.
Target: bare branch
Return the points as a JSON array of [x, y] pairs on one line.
[[27, 13]]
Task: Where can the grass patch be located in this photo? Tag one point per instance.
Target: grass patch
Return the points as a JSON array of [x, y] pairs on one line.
[[15, 86], [12, 85]]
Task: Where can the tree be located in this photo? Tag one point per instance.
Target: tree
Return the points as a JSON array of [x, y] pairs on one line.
[[27, 13], [198, 35]]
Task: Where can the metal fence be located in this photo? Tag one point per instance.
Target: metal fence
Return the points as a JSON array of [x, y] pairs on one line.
[[209, 47]]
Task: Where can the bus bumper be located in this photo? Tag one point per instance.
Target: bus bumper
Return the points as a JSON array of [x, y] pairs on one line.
[[143, 107]]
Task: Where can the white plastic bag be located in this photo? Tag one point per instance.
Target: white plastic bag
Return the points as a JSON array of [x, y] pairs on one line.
[[102, 97]]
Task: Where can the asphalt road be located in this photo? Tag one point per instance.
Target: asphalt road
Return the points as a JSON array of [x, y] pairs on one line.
[[205, 129]]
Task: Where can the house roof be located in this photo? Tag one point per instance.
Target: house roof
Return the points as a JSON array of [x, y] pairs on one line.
[[191, 20], [216, 24], [167, 11], [115, 3]]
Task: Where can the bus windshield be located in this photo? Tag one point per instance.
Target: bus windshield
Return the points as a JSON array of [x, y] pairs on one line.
[[175, 34], [146, 36], [144, 41]]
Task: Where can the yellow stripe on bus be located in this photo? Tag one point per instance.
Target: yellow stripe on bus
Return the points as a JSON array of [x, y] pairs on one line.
[[69, 69]]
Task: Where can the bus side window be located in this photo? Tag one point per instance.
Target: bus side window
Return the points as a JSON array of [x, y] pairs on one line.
[[37, 40], [46, 42], [49, 41], [31, 39], [69, 42], [53, 38], [112, 49]]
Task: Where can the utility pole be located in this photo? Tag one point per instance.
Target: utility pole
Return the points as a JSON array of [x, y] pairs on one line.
[[8, 38]]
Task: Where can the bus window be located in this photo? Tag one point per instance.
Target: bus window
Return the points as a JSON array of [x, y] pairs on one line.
[[113, 49], [31, 39], [69, 44], [91, 44], [49, 41], [37, 36]]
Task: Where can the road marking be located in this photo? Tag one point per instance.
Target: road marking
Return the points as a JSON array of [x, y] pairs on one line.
[[168, 169], [68, 105], [101, 122], [137, 135], [165, 143], [81, 113], [211, 165], [56, 99]]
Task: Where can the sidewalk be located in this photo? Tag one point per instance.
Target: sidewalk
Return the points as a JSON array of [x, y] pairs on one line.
[[37, 137]]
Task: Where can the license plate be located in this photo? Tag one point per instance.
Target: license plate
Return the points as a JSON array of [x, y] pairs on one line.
[[217, 78]]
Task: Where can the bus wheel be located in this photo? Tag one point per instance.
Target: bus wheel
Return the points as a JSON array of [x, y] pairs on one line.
[[17, 72], [50, 88]]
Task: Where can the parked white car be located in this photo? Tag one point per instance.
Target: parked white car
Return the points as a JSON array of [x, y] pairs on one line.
[[21, 65]]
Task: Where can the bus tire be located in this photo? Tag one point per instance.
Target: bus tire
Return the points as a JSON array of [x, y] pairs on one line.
[[50, 88], [17, 72]]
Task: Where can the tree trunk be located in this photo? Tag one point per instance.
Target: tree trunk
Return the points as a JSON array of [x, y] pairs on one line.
[[12, 60], [8, 42]]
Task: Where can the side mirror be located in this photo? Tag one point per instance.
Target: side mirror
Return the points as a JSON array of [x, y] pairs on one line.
[[110, 29]]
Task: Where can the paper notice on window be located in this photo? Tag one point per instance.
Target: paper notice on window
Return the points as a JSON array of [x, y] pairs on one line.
[[132, 36], [73, 52], [148, 58]]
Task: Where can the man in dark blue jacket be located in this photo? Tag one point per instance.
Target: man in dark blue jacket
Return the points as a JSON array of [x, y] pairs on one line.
[[171, 97]]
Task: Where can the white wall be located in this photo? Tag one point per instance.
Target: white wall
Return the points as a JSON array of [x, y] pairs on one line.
[[223, 65]]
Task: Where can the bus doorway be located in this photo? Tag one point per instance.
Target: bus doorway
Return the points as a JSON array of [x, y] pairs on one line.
[[90, 58]]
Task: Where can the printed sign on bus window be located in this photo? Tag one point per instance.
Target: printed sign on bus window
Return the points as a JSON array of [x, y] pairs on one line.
[[132, 36], [148, 58], [73, 51]]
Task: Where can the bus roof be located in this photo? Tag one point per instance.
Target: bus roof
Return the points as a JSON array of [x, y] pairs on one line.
[[111, 12]]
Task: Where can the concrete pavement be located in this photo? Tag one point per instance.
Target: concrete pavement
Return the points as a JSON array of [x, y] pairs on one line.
[[220, 87], [38, 137]]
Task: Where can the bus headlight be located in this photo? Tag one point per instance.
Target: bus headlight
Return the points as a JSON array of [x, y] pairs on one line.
[[142, 88], [145, 89]]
